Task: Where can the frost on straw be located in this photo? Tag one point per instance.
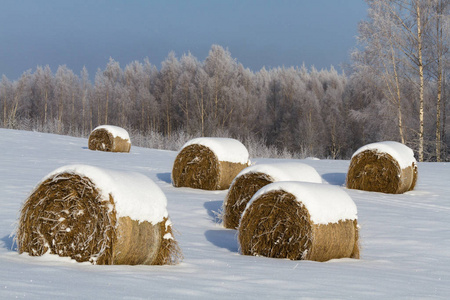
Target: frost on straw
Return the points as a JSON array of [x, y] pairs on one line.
[[68, 215]]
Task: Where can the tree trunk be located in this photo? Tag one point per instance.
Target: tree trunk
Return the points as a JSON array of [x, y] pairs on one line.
[[83, 113], [12, 115], [5, 118], [398, 94], [202, 112], [186, 105], [438, 118], [106, 107], [440, 54], [72, 117], [60, 113], [421, 82], [444, 115], [45, 105]]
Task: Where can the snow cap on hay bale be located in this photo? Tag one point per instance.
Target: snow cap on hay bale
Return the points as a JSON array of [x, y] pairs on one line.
[[98, 215], [299, 220], [209, 163], [251, 179], [109, 138], [386, 167]]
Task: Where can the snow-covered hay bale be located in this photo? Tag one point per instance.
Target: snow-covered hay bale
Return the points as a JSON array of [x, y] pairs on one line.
[[209, 163], [251, 179], [110, 139], [300, 221], [387, 167], [98, 215]]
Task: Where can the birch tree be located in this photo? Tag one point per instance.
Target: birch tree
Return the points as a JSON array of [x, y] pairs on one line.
[[221, 69], [65, 93], [395, 34], [380, 55], [167, 80], [438, 39], [43, 91], [115, 95], [6, 99], [150, 110], [200, 95], [412, 20], [86, 113], [20, 104], [185, 88]]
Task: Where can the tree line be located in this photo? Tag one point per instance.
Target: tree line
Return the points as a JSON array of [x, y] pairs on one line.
[[395, 90], [404, 59], [290, 109]]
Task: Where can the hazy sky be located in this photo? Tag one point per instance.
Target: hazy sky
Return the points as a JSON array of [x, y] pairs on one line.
[[257, 33]]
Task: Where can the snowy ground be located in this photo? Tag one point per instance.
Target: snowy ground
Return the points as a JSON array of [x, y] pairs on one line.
[[405, 239]]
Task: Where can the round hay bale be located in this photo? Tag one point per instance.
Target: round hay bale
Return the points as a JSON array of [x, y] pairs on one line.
[[251, 179], [300, 221], [110, 139], [209, 163], [386, 167], [97, 215]]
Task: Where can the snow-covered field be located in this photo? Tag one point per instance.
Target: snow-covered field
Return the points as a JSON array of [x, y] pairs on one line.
[[405, 239]]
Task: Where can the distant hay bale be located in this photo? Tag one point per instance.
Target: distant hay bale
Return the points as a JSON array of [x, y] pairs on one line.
[[251, 179], [110, 139], [300, 221], [386, 167], [97, 215], [209, 163]]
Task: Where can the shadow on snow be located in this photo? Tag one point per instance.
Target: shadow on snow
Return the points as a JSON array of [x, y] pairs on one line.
[[214, 209], [9, 243], [166, 177], [223, 238], [335, 178]]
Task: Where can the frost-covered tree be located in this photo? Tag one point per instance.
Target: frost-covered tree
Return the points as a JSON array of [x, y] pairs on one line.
[[200, 97], [397, 44], [86, 113], [381, 57], [166, 86], [42, 90], [283, 110], [334, 112], [6, 99], [221, 69], [438, 37], [185, 89], [66, 95]]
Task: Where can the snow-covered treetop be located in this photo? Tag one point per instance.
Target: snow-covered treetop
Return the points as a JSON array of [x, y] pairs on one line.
[[292, 171], [116, 131], [135, 195], [325, 203], [400, 152], [225, 149]]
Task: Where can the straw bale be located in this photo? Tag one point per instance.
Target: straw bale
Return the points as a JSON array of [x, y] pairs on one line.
[[241, 191], [253, 178], [65, 215], [102, 139], [278, 225], [197, 166], [375, 171]]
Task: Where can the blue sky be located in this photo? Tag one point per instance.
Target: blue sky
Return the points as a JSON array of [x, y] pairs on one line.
[[257, 33]]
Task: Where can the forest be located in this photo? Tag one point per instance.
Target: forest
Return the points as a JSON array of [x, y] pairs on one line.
[[394, 89]]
